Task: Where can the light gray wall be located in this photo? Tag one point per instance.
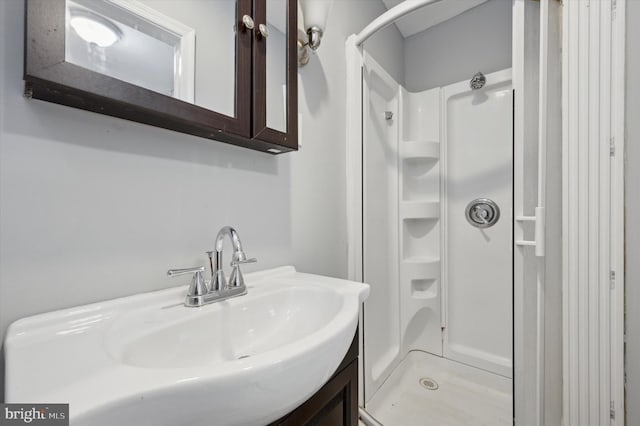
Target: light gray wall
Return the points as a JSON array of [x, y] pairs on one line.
[[477, 40], [93, 207], [632, 232], [381, 47], [322, 102]]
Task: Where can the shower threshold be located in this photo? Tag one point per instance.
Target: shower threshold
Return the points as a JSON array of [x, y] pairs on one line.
[[463, 395]]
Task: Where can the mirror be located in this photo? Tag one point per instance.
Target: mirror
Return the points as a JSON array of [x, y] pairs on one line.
[[185, 49], [277, 65]]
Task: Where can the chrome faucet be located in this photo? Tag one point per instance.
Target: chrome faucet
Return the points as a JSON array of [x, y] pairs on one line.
[[199, 293], [217, 275]]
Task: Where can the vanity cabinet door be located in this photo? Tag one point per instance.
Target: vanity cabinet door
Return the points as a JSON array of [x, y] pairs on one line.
[[336, 404], [275, 77]]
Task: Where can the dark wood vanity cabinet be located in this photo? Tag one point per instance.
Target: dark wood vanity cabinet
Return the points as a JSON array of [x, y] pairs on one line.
[[259, 57], [336, 403]]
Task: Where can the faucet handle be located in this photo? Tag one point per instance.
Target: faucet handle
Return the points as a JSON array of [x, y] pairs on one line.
[[198, 286], [236, 279], [235, 263], [178, 272]]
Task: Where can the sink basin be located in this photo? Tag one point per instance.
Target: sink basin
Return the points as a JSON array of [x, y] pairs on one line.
[[148, 360]]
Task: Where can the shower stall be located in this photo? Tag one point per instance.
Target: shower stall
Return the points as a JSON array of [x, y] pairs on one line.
[[438, 184], [447, 225]]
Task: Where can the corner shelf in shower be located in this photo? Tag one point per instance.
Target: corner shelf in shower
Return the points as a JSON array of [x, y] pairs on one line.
[[422, 275], [420, 293], [421, 266], [420, 149], [419, 214], [419, 174]]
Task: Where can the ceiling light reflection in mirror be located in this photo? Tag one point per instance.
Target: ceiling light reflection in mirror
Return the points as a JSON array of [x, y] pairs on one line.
[[94, 29], [129, 41]]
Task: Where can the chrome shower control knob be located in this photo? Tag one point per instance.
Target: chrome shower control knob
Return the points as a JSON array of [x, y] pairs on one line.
[[482, 213]]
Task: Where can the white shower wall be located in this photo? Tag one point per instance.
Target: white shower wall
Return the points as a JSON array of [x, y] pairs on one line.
[[381, 329], [408, 224], [478, 158]]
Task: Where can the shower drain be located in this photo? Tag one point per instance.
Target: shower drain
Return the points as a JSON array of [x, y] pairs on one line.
[[428, 383]]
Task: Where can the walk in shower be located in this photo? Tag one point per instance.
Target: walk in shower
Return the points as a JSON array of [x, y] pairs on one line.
[[441, 216], [448, 231]]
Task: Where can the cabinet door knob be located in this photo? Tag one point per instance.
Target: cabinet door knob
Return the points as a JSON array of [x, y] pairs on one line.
[[264, 31], [248, 22]]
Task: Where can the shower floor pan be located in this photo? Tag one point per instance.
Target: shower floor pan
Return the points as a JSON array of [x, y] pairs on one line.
[[463, 395]]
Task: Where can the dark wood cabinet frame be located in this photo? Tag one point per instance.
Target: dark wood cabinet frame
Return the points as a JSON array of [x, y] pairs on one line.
[[49, 77], [260, 129]]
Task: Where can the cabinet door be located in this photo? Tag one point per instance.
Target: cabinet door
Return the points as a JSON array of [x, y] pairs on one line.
[[336, 404], [275, 78]]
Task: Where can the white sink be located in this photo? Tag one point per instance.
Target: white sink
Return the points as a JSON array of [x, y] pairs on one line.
[[148, 360]]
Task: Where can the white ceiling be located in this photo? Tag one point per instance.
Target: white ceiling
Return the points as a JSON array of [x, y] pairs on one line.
[[428, 16]]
